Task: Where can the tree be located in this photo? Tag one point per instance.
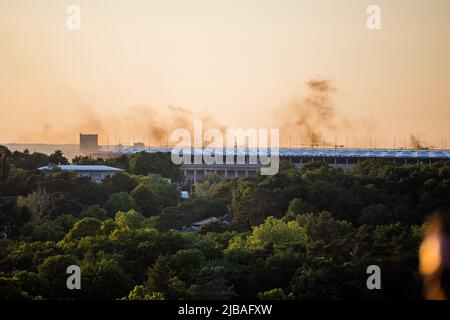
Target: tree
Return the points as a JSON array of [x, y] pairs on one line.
[[57, 157], [170, 218], [166, 193], [94, 211], [64, 203], [38, 203], [34, 161], [212, 285], [187, 263], [122, 162], [202, 189], [82, 228], [130, 219], [327, 236], [53, 271], [277, 234], [46, 231], [108, 226], [23, 255], [157, 163], [4, 167], [104, 278], [10, 290], [20, 182], [298, 206], [121, 201], [158, 277], [5, 150], [145, 199], [376, 214], [196, 209], [12, 218], [87, 160], [274, 294], [30, 283], [26, 160], [319, 280], [119, 182], [280, 267], [139, 293], [251, 205]]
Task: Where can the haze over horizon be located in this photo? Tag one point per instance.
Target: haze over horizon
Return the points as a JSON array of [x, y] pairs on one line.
[[142, 68]]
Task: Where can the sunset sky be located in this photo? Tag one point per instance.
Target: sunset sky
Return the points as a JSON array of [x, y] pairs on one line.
[[242, 63]]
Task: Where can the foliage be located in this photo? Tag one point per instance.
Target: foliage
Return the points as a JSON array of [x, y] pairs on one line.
[[274, 294], [277, 234], [300, 234], [158, 277], [211, 284], [157, 163], [58, 158], [4, 167], [82, 228], [121, 201]]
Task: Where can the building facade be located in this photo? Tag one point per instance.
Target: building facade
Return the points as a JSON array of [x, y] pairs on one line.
[[94, 172], [88, 142]]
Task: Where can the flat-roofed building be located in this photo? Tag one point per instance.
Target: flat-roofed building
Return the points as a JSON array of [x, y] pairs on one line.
[[88, 142], [95, 172]]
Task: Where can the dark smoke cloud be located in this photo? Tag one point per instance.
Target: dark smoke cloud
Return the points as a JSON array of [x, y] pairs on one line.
[[308, 118], [85, 120], [415, 143], [314, 113], [139, 123], [157, 124]]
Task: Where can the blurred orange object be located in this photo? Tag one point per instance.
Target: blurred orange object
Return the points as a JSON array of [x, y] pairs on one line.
[[434, 257]]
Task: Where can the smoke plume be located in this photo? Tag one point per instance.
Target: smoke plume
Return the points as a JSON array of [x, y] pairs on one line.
[[415, 143], [313, 113], [140, 123]]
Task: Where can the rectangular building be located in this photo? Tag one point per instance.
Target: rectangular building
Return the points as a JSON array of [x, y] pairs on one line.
[[88, 142], [95, 172]]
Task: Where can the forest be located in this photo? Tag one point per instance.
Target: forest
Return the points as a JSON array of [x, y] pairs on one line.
[[300, 234]]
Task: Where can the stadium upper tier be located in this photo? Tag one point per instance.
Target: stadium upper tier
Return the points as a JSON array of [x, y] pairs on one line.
[[284, 152]]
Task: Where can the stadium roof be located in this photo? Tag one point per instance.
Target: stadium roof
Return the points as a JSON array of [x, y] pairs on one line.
[[362, 153]]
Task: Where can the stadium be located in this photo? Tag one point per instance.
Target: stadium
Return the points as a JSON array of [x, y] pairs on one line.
[[242, 165]]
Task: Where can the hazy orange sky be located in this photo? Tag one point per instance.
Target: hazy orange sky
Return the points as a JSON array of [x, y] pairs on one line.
[[242, 63]]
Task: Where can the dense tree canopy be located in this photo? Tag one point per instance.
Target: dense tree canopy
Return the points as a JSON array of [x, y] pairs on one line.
[[157, 163], [300, 234]]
